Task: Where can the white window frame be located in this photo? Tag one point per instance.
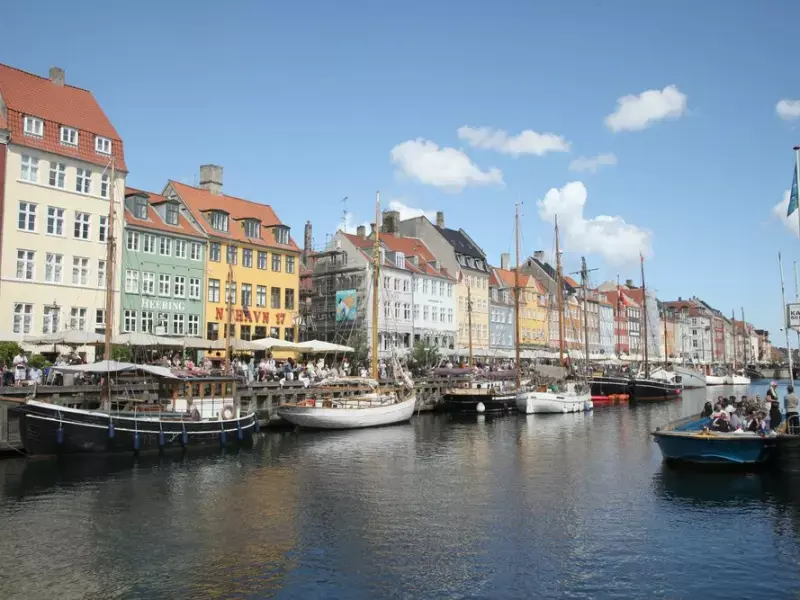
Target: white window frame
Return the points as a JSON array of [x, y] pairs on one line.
[[77, 318], [51, 319], [82, 224], [180, 248], [179, 286], [29, 168], [193, 326], [83, 181], [58, 175], [147, 322], [80, 271], [164, 285], [129, 317], [195, 251], [165, 246], [172, 208], [23, 318], [26, 265], [105, 180], [101, 274], [132, 241], [55, 221], [28, 209], [148, 243], [252, 228], [69, 136], [148, 283], [54, 268], [102, 229], [194, 288], [219, 221], [131, 281], [102, 145], [33, 126], [178, 324]]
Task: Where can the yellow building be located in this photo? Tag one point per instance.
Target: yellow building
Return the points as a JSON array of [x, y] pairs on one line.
[[250, 256], [533, 313]]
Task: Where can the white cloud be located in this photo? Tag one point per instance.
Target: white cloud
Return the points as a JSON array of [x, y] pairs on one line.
[[446, 168], [611, 237], [409, 212], [779, 211], [788, 109], [527, 142], [591, 164], [635, 113]]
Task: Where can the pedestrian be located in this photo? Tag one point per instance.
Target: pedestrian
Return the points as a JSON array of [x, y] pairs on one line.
[[792, 402], [20, 368]]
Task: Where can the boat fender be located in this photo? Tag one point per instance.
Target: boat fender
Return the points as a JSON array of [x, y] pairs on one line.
[[227, 413], [161, 441], [239, 432], [481, 408], [223, 437], [185, 438], [60, 435], [111, 432], [136, 441]]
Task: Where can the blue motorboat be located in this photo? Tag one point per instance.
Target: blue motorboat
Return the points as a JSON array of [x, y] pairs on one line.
[[690, 440]]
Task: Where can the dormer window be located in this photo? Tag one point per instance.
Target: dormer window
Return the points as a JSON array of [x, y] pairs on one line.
[[102, 145], [399, 260], [34, 126], [219, 221], [69, 136], [140, 207], [252, 228], [172, 212], [282, 235]]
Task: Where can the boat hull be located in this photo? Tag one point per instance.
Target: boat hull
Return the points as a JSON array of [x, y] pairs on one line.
[[501, 402], [652, 389], [734, 449], [312, 417], [715, 380], [610, 386], [737, 380], [48, 429], [690, 378], [553, 403]]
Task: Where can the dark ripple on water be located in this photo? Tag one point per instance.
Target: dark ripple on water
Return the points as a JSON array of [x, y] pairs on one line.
[[575, 506]]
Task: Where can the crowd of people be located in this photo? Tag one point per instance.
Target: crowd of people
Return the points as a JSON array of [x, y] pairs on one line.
[[752, 414]]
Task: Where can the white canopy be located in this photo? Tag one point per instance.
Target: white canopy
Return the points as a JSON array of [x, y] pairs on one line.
[[144, 339], [70, 337], [271, 344], [114, 366], [320, 346]]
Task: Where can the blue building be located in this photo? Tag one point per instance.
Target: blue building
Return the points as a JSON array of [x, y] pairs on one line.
[[502, 330]]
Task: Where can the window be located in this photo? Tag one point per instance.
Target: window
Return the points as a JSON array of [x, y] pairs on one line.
[[51, 318], [406, 285], [252, 228], [148, 243], [434, 314], [425, 313], [58, 174], [424, 286], [247, 294], [148, 283], [27, 216], [23, 318], [179, 286], [262, 260], [219, 221], [230, 292], [194, 251], [232, 255], [177, 324], [81, 228], [53, 268], [83, 181], [140, 207], [213, 290], [34, 126], [275, 332], [55, 220], [162, 323], [102, 145], [99, 320], [275, 297], [69, 136], [247, 258], [180, 249], [131, 281], [397, 284], [194, 288], [282, 235], [260, 332], [290, 264], [245, 332], [193, 325], [164, 282], [147, 321], [386, 282], [133, 241], [25, 264], [214, 252], [172, 213], [29, 170], [407, 311], [276, 262], [288, 334], [416, 312], [104, 187], [261, 296], [77, 318], [289, 299], [80, 270], [212, 331], [129, 321], [102, 231], [101, 274], [387, 310], [165, 246]]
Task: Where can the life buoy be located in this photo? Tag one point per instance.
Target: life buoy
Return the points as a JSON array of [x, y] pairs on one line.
[[307, 402], [227, 413]]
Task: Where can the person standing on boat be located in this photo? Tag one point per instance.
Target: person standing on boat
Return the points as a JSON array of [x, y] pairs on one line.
[[792, 403], [772, 392], [775, 412]]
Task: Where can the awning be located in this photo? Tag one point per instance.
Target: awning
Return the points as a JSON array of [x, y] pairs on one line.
[[114, 366]]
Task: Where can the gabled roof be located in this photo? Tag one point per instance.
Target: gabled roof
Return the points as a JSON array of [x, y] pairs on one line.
[[407, 246], [26, 94], [200, 201], [154, 220], [465, 246]]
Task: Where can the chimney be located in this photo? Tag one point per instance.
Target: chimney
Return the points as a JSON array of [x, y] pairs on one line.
[[440, 219], [629, 283], [505, 260], [211, 179], [372, 229], [361, 231], [307, 238], [680, 299], [391, 219], [539, 255], [57, 75]]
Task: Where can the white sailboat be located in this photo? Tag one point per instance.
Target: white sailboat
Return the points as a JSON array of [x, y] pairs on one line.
[[373, 407], [570, 397]]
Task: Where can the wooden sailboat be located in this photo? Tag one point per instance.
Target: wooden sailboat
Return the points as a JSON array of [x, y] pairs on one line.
[[371, 406], [569, 396]]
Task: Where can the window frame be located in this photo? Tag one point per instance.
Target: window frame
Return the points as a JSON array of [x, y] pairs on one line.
[[66, 135], [29, 126], [99, 145]]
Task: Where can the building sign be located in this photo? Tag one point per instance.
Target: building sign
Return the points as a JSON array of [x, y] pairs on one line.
[[176, 306], [346, 304], [793, 315], [249, 315]]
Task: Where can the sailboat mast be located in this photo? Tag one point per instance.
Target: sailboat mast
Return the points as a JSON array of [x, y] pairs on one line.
[[559, 299], [469, 322], [786, 320], [230, 320], [735, 333], [584, 276], [745, 339], [666, 354], [376, 280], [110, 254], [617, 317], [516, 297], [644, 316]]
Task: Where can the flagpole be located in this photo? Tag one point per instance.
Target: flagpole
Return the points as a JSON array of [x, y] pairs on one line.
[[797, 180], [786, 322]]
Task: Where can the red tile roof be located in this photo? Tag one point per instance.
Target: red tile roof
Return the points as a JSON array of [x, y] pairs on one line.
[[154, 220], [408, 246], [200, 201], [507, 277], [28, 94], [571, 282]]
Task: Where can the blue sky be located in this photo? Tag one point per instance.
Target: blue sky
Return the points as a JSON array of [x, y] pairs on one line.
[[305, 103]]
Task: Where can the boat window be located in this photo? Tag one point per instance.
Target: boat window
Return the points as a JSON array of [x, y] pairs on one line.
[[206, 390], [218, 389]]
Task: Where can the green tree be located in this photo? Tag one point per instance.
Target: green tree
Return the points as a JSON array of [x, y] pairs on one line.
[[122, 353], [8, 350], [358, 341], [38, 361], [424, 356]]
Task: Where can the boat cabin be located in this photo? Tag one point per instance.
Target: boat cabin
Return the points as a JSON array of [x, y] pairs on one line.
[[204, 397]]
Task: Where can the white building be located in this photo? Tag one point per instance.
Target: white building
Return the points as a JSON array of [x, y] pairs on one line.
[[56, 151]]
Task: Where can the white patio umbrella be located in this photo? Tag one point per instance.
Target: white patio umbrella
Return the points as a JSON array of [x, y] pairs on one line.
[[273, 344], [319, 346], [143, 339], [70, 337]]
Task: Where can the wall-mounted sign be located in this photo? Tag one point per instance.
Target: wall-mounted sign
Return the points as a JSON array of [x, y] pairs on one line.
[[346, 305], [173, 305], [793, 315], [249, 315]]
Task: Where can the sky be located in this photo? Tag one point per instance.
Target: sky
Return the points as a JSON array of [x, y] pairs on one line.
[[660, 128]]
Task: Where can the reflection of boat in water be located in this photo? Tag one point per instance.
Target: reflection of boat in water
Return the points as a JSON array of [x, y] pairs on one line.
[[703, 487]]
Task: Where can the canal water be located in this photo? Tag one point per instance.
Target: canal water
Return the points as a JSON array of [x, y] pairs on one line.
[[574, 506]]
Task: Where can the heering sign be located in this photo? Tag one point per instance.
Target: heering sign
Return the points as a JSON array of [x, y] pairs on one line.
[[148, 304]]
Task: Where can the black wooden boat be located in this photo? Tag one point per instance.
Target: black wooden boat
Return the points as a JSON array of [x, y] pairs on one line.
[[654, 389], [611, 385], [488, 393]]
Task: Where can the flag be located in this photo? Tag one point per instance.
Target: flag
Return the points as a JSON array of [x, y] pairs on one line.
[[793, 194]]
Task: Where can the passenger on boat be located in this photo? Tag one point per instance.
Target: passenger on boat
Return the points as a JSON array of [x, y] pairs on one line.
[[775, 412], [720, 421], [707, 410], [792, 403], [756, 424], [772, 392], [737, 418], [730, 406]]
